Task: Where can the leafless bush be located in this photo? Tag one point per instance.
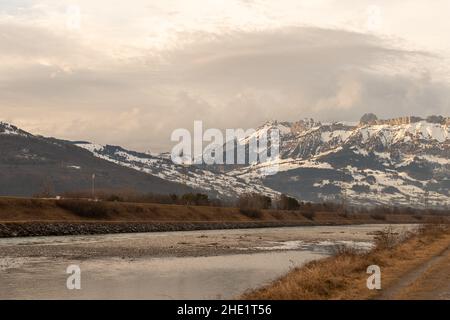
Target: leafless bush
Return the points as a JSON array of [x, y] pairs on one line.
[[254, 201], [285, 202], [86, 209], [252, 204], [387, 238], [252, 213], [197, 199], [343, 250]]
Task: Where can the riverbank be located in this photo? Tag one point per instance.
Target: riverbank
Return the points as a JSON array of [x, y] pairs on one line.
[[39, 217], [406, 262]]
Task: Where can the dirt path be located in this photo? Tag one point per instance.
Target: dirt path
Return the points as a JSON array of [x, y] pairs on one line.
[[430, 281]]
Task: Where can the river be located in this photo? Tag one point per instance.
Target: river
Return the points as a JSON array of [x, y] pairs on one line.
[[214, 264]]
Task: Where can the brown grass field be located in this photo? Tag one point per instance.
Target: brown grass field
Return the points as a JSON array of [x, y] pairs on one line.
[[344, 276], [18, 210]]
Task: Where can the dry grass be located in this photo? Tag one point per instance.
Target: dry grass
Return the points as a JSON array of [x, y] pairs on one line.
[[436, 278], [41, 210], [343, 276]]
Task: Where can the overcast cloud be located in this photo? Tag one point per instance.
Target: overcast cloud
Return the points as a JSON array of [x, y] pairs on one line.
[[129, 75]]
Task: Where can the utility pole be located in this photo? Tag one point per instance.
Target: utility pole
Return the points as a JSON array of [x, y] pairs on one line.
[[93, 186]]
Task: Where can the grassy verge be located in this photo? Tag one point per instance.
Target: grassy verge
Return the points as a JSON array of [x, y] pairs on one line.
[[22, 210], [344, 276]]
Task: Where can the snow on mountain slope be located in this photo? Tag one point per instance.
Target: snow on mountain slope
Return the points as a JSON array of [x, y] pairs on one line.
[[405, 161], [417, 137], [315, 139], [8, 129], [225, 186], [398, 161]]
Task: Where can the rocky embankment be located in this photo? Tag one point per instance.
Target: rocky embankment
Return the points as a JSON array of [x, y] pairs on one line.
[[64, 228]]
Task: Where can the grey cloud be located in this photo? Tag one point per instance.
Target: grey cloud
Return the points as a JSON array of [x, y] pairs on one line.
[[238, 79], [297, 72]]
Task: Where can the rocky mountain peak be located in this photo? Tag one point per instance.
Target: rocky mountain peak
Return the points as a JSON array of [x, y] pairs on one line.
[[368, 118], [9, 129]]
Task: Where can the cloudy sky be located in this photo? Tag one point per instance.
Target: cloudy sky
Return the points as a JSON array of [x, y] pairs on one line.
[[130, 72]]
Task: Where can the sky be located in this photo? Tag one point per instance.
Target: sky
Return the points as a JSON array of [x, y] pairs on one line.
[[130, 72]]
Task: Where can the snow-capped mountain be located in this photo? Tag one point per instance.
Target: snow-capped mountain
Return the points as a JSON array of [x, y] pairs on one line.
[[307, 138], [222, 185], [403, 161], [398, 161]]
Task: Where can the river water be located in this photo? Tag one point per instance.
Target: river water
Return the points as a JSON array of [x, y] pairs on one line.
[[35, 268]]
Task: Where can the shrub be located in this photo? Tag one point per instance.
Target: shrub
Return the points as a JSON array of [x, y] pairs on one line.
[[198, 199], [287, 203], [251, 204], [254, 201], [252, 213], [86, 209], [387, 238], [343, 250]]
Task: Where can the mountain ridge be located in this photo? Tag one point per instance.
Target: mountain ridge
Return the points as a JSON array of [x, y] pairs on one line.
[[399, 161]]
